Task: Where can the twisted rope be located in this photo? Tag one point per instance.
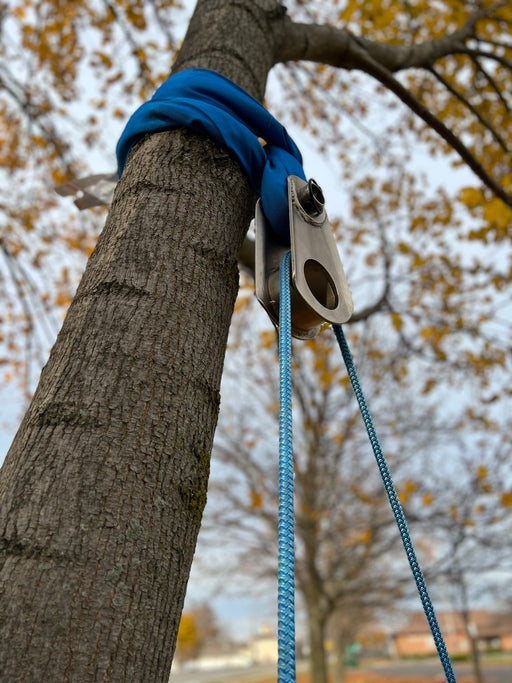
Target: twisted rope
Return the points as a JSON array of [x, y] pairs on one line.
[[286, 554], [396, 508]]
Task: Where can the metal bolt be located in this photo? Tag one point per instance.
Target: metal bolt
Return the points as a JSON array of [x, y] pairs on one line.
[[311, 198]]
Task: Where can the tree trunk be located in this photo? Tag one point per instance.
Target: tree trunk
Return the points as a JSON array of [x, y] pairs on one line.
[[316, 624], [476, 659], [340, 666], [469, 626], [103, 489], [342, 626]]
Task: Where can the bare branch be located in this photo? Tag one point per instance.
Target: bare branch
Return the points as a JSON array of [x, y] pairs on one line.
[[382, 304], [385, 77], [491, 82], [496, 43], [354, 120], [365, 313], [471, 108], [36, 117], [338, 47], [141, 65], [507, 63]]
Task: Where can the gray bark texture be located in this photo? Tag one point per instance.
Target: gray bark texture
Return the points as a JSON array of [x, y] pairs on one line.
[[103, 489]]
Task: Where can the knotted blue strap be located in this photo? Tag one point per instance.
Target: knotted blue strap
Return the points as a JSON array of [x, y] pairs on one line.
[[207, 102]]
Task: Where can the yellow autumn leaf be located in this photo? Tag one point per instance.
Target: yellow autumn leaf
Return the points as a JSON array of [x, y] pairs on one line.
[[397, 321], [366, 536], [256, 500], [481, 472], [268, 338], [506, 499], [471, 197], [63, 298]]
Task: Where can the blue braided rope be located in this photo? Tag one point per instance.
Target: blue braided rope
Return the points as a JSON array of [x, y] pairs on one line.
[[396, 507], [286, 555]]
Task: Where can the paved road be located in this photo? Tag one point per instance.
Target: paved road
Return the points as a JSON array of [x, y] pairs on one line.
[[494, 672], [221, 675]]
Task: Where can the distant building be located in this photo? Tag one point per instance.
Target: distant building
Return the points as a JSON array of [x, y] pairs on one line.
[[215, 656], [263, 648], [492, 631]]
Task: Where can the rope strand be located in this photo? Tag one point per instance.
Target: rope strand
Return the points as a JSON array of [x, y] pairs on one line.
[[396, 508], [286, 559], [286, 570]]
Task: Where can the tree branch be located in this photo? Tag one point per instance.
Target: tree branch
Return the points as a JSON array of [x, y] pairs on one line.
[[471, 108], [385, 77], [35, 115], [339, 48], [485, 54], [491, 82]]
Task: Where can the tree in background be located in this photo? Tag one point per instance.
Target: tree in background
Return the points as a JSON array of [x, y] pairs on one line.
[[198, 629], [350, 565], [103, 489], [463, 515], [187, 644], [343, 527]]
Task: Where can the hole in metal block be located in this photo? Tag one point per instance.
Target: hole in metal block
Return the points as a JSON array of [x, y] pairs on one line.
[[321, 284]]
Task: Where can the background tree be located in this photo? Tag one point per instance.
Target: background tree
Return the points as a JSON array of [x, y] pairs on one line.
[[350, 566], [463, 514], [187, 643], [103, 488], [198, 629]]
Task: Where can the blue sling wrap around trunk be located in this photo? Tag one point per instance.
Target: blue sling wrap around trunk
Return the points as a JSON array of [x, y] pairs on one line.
[[209, 103]]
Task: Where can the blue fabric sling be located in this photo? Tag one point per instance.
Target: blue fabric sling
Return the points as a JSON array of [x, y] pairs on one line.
[[209, 103]]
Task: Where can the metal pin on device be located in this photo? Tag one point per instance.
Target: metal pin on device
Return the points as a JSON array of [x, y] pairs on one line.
[[319, 288]]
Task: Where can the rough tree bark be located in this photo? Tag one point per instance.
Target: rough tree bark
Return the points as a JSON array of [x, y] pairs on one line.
[[103, 488]]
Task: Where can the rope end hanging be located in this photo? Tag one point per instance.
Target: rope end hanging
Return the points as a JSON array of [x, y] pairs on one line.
[[396, 507], [286, 550]]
